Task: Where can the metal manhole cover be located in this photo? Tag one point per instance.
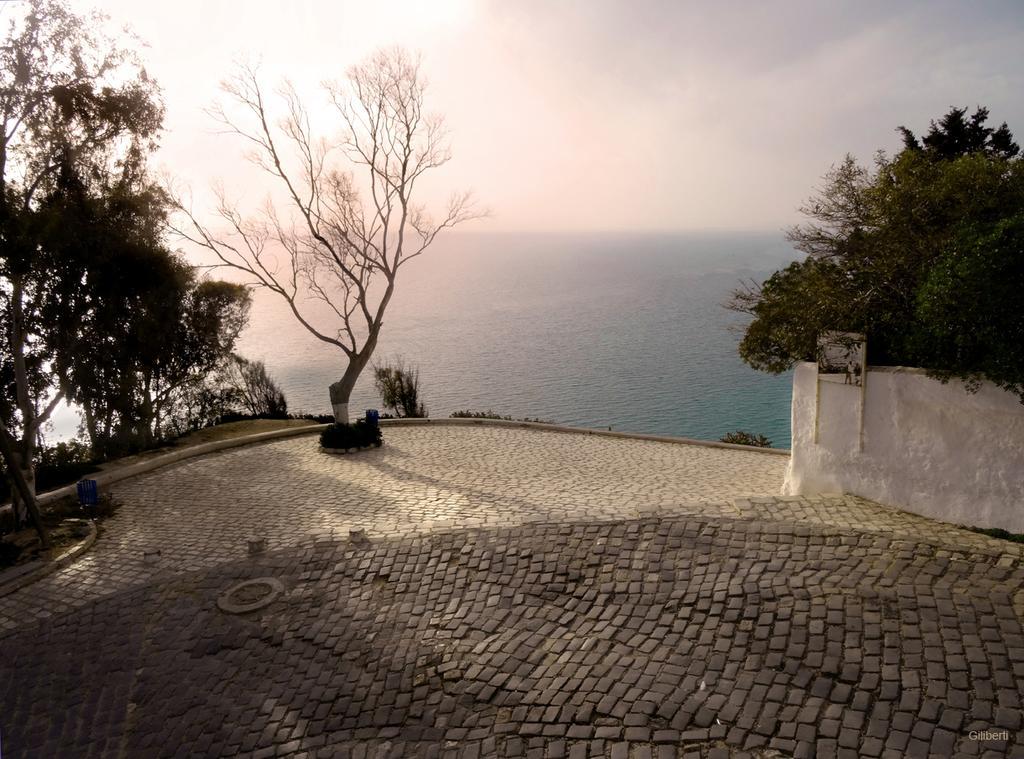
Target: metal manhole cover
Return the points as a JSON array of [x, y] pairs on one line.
[[250, 595]]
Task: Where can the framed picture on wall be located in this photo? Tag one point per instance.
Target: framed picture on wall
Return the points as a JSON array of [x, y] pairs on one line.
[[843, 354]]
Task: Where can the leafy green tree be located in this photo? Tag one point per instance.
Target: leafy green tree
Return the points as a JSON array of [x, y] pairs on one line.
[[211, 317], [969, 323], [95, 308], [124, 280], [76, 108], [156, 333], [956, 135], [906, 253]]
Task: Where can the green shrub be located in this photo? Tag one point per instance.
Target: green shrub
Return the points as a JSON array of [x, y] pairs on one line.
[[357, 435], [479, 415], [237, 416], [399, 388], [492, 415], [999, 533], [739, 437]]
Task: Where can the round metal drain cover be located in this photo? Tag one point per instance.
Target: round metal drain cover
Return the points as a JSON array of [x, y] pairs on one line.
[[250, 595]]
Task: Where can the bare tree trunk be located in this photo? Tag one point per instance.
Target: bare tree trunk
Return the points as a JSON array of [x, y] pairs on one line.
[[23, 498], [25, 489], [18, 458], [150, 425], [341, 390], [19, 506], [90, 423]]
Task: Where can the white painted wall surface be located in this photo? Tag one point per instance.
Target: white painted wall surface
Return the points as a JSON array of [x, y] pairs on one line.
[[929, 448]]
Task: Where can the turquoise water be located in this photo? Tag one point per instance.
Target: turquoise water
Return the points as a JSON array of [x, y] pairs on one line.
[[626, 331]]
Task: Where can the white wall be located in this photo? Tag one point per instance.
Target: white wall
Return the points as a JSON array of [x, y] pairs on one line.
[[929, 448]]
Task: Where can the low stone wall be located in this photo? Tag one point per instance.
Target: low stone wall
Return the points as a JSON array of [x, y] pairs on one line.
[[584, 431], [117, 474], [927, 447], [109, 477]]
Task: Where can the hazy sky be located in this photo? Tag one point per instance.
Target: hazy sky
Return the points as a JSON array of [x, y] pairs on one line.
[[609, 115]]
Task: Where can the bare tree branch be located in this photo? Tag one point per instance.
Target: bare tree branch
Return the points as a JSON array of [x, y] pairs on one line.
[[330, 243]]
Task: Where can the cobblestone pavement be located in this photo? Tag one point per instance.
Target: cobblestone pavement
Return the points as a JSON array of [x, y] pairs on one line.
[[582, 602], [659, 637], [202, 512]]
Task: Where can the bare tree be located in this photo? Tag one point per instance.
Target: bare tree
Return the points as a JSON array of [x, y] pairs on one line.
[[346, 233]]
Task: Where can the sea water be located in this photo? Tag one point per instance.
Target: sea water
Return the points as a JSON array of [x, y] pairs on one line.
[[627, 331]]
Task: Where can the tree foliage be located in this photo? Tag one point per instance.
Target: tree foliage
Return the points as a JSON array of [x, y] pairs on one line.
[[146, 330], [922, 253], [970, 306], [147, 379], [956, 135], [95, 308], [78, 113], [254, 390]]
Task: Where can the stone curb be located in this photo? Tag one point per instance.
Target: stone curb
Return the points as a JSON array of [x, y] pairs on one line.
[[111, 476], [590, 431], [22, 577]]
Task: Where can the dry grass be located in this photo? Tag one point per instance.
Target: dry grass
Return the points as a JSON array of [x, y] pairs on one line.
[[238, 429], [211, 435], [23, 546]]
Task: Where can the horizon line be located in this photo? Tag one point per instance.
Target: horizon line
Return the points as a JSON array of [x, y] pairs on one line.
[[781, 231]]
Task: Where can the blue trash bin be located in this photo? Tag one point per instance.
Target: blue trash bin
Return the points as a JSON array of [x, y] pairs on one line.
[[88, 493], [372, 416]]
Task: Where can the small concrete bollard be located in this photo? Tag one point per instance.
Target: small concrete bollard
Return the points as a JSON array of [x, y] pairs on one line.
[[257, 546], [357, 536]]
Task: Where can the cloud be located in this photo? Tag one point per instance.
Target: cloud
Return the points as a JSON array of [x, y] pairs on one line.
[[599, 114]]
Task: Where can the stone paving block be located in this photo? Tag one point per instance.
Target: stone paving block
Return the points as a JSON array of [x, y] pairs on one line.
[[528, 594]]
